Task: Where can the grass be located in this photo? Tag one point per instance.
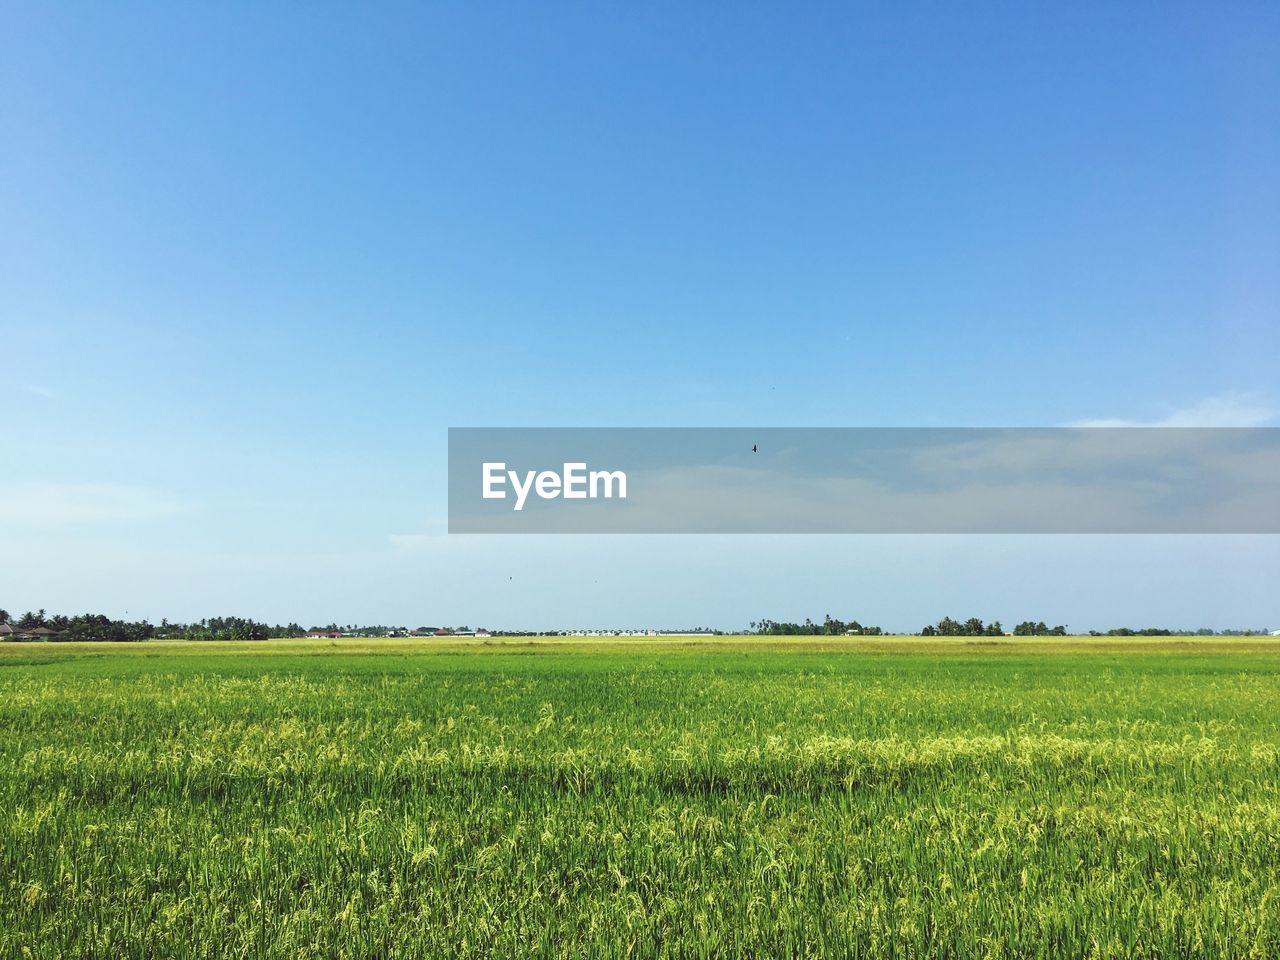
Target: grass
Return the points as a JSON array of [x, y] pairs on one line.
[[886, 797]]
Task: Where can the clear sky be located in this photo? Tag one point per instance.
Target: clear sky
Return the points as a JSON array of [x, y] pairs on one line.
[[256, 258]]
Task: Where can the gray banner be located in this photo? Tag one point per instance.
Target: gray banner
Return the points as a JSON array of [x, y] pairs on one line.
[[864, 480]]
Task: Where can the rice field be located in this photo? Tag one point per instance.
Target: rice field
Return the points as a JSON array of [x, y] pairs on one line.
[[736, 797]]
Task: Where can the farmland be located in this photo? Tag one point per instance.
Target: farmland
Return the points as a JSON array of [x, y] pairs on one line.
[[888, 797]]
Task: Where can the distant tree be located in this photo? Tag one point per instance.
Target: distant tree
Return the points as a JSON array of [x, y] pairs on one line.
[[141, 630], [228, 628], [973, 627], [29, 620], [1029, 629], [4, 616], [830, 626], [95, 628]]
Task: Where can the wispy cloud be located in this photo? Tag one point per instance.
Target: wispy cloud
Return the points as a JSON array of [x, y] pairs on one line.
[[72, 504], [1227, 410], [46, 393]]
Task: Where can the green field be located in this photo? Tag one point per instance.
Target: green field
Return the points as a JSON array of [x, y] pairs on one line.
[[735, 797]]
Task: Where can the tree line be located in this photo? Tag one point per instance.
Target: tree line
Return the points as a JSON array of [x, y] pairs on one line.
[[829, 627], [90, 627], [974, 627], [98, 627]]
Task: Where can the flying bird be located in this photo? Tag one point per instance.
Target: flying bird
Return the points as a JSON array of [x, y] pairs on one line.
[[753, 448]]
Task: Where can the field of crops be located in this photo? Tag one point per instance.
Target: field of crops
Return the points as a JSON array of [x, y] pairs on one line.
[[728, 798]]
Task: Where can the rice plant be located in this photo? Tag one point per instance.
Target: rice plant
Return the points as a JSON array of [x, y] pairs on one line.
[[726, 798]]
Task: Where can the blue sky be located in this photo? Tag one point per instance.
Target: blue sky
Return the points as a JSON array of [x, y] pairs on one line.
[[257, 258]]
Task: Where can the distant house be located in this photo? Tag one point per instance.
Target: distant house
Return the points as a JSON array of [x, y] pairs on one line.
[[9, 632], [318, 634], [442, 633], [1275, 633], [483, 633]]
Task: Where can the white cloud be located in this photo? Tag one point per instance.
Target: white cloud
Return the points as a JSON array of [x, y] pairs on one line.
[[72, 504], [1227, 410]]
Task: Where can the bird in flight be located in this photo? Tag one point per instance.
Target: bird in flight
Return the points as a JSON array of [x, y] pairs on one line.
[[753, 448]]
